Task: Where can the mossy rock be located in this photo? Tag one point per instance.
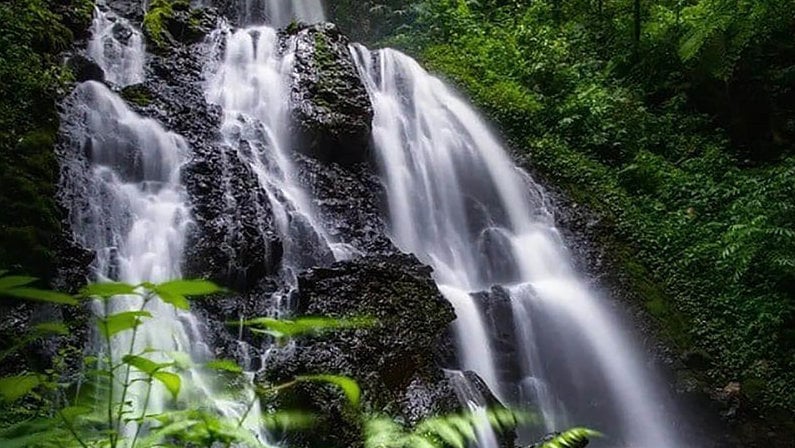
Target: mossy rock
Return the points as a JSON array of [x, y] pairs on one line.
[[137, 94]]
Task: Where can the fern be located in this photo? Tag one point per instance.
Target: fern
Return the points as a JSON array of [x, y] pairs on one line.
[[572, 438], [455, 430]]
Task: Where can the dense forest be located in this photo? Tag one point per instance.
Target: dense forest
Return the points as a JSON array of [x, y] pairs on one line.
[[672, 122]]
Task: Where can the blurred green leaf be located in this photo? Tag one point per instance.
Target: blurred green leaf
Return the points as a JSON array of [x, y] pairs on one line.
[[189, 287], [51, 328], [107, 290], [349, 386], [172, 382], [283, 328], [15, 281], [116, 323], [143, 364], [225, 365], [15, 387], [40, 295]]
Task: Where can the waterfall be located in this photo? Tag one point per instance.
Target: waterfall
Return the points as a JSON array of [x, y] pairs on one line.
[[457, 201], [279, 13], [117, 47], [251, 84], [121, 181]]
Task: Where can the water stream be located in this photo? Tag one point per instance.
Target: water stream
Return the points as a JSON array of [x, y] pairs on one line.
[[459, 203]]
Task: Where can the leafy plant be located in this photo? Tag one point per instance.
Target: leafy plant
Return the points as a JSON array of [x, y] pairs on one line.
[[101, 413]]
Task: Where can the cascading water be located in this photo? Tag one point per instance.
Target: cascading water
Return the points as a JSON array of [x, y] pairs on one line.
[[130, 208], [251, 86], [457, 201], [117, 47], [279, 13]]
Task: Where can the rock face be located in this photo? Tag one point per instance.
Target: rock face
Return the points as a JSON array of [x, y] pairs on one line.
[[234, 241], [330, 106], [350, 203], [395, 361]]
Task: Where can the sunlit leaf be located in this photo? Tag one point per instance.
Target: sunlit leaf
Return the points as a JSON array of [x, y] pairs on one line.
[[349, 386], [289, 420], [172, 382], [15, 387], [281, 328], [116, 323], [176, 300], [181, 359], [188, 287], [51, 328], [571, 438], [40, 295], [107, 290], [143, 364], [225, 365], [15, 282]]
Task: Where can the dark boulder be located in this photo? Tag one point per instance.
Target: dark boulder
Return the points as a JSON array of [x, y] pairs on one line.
[[85, 69], [331, 109], [350, 203], [497, 311], [394, 361]]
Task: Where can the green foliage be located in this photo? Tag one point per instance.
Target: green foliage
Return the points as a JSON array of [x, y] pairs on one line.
[[302, 326], [97, 416], [32, 78], [347, 385], [455, 430], [705, 236], [571, 438]]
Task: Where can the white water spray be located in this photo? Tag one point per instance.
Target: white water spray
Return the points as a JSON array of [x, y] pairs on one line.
[[458, 202]]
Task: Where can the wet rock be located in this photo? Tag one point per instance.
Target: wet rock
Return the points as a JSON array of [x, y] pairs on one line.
[[330, 106], [129, 9], [349, 202], [85, 69], [234, 239], [498, 317], [395, 361], [236, 242], [190, 25]]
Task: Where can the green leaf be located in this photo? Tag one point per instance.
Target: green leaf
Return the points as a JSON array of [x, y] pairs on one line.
[[225, 365], [107, 290], [15, 387], [143, 364], [176, 300], [289, 420], [571, 438], [15, 281], [72, 412], [40, 295], [189, 287], [116, 323], [181, 359], [51, 328], [348, 385], [281, 328], [172, 382]]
